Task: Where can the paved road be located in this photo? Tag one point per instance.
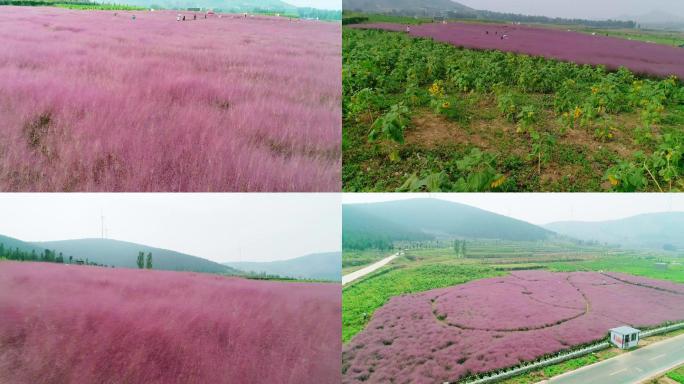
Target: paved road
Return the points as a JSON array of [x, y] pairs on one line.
[[630, 368], [348, 278]]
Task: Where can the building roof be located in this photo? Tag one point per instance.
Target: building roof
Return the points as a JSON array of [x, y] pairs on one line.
[[624, 330]]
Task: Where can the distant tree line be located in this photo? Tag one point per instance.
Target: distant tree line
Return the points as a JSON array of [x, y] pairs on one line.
[[460, 248], [68, 3], [354, 20], [144, 262], [360, 241], [500, 16], [320, 14], [556, 20], [47, 256]]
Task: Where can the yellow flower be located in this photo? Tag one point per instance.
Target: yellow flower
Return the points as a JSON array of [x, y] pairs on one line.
[[435, 89], [446, 105], [498, 182], [577, 113], [613, 181], [594, 90]]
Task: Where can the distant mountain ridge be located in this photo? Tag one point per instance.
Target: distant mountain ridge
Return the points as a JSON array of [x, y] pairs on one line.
[[426, 7], [420, 219], [124, 254], [275, 6], [317, 266], [651, 230]]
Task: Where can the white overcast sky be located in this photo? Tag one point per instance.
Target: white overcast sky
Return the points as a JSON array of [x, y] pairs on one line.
[[218, 227], [590, 9], [320, 4], [545, 208]]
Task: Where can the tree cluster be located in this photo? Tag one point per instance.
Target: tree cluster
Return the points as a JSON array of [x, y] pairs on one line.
[[47, 256], [144, 262], [460, 248]]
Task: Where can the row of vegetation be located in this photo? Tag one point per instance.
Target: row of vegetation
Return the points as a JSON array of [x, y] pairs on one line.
[[47, 256], [51, 256], [482, 16], [605, 130]]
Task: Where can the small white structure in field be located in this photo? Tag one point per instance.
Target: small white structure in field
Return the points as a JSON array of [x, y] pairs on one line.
[[625, 337]]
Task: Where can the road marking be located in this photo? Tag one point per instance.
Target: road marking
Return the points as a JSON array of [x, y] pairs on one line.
[[658, 357], [616, 372]]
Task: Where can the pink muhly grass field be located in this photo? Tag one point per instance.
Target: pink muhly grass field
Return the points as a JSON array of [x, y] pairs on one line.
[[446, 334], [581, 48], [76, 324], [91, 101]]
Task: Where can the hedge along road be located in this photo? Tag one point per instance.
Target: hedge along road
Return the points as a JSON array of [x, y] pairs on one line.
[[630, 368], [348, 278]]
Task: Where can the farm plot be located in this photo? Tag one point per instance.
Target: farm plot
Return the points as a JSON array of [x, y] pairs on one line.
[[103, 101], [423, 115], [638, 56], [75, 324], [450, 333]]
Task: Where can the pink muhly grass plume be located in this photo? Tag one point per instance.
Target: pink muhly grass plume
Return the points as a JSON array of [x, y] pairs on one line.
[[448, 333], [96, 102], [76, 324]]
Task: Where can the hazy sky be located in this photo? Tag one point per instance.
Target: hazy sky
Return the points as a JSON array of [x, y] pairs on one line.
[[590, 9], [321, 4], [548, 207], [219, 227]]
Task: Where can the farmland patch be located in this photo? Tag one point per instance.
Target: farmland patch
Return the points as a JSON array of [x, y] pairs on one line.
[[450, 333]]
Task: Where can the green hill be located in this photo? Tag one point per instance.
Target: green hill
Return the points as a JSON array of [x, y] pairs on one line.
[[421, 219], [12, 243], [124, 254], [653, 230], [362, 229], [318, 266]]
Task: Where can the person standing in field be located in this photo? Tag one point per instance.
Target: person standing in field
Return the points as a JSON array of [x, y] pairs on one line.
[[178, 17], [194, 17], [408, 29]]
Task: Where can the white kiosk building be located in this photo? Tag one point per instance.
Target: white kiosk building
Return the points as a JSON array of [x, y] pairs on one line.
[[624, 337]]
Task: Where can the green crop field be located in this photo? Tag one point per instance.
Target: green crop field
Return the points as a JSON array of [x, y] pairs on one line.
[[675, 39], [426, 116], [353, 260]]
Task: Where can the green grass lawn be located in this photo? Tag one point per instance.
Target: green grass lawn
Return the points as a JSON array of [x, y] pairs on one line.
[[632, 264], [658, 37], [677, 374]]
